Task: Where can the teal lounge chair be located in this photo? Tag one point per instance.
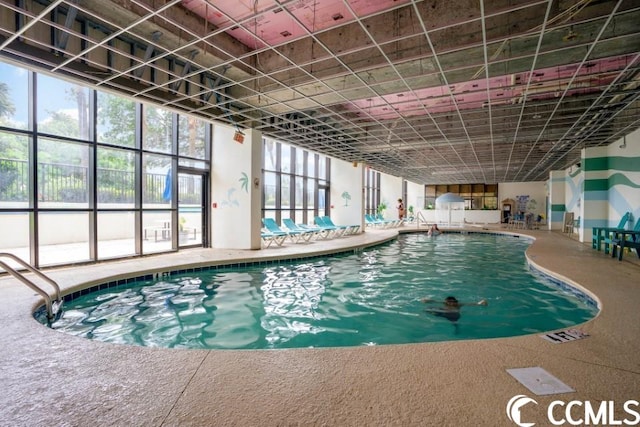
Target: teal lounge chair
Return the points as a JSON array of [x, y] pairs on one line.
[[319, 232], [268, 238], [375, 221], [603, 234], [619, 239], [332, 229], [370, 221], [304, 234], [272, 226], [391, 222], [348, 229]]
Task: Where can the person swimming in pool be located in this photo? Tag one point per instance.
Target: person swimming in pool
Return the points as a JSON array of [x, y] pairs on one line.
[[450, 309]]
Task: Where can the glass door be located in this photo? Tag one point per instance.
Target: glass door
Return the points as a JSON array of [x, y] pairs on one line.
[[192, 213]]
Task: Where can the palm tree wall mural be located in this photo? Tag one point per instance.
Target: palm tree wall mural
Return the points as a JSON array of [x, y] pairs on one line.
[[346, 196]]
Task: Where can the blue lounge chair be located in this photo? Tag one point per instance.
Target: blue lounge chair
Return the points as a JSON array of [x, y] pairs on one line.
[[272, 226], [391, 222], [603, 234], [379, 221], [332, 229], [348, 229], [306, 235], [372, 222], [268, 238], [320, 233]]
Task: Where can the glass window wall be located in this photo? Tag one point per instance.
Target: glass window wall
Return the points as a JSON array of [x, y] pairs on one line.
[[85, 169], [291, 179]]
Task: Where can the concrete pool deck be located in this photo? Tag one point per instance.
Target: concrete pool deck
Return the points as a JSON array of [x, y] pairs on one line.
[[51, 378]]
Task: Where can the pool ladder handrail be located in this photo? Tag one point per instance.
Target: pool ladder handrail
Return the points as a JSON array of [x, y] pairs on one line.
[[420, 219], [53, 307]]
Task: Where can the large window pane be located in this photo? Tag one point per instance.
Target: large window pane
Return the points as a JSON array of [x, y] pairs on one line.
[[311, 191], [62, 174], [14, 97], [299, 195], [63, 108], [191, 137], [285, 158], [322, 167], [14, 171], [156, 181], [269, 190], [322, 199], [156, 234], [116, 234], [195, 164], [116, 120], [190, 209], [491, 203], [311, 165], [285, 192], [116, 178], [300, 156], [269, 155], [157, 129], [64, 237]]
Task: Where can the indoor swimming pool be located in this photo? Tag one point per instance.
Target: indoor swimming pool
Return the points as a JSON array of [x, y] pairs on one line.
[[368, 297]]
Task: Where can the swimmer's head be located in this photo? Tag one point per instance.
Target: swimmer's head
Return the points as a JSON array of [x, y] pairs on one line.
[[451, 301]]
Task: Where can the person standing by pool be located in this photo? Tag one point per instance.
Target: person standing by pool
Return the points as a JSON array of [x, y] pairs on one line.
[[400, 209], [450, 309]]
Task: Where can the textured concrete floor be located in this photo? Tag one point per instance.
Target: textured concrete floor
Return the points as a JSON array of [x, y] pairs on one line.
[[53, 379]]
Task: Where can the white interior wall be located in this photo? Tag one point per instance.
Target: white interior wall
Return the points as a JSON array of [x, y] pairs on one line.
[[535, 190], [415, 196]]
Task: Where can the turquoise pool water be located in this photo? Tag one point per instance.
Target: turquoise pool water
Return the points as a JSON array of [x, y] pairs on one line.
[[368, 298]]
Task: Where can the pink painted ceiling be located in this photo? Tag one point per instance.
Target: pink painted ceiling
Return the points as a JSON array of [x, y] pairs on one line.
[[244, 18], [273, 26], [546, 83]]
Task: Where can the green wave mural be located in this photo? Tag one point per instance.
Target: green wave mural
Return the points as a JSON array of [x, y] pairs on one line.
[[606, 184], [576, 173], [628, 164]]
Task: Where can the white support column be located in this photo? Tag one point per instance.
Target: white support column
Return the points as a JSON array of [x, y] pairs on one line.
[[347, 200], [556, 200], [236, 189]]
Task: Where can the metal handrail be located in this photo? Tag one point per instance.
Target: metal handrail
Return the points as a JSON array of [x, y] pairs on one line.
[[51, 306], [420, 217]]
